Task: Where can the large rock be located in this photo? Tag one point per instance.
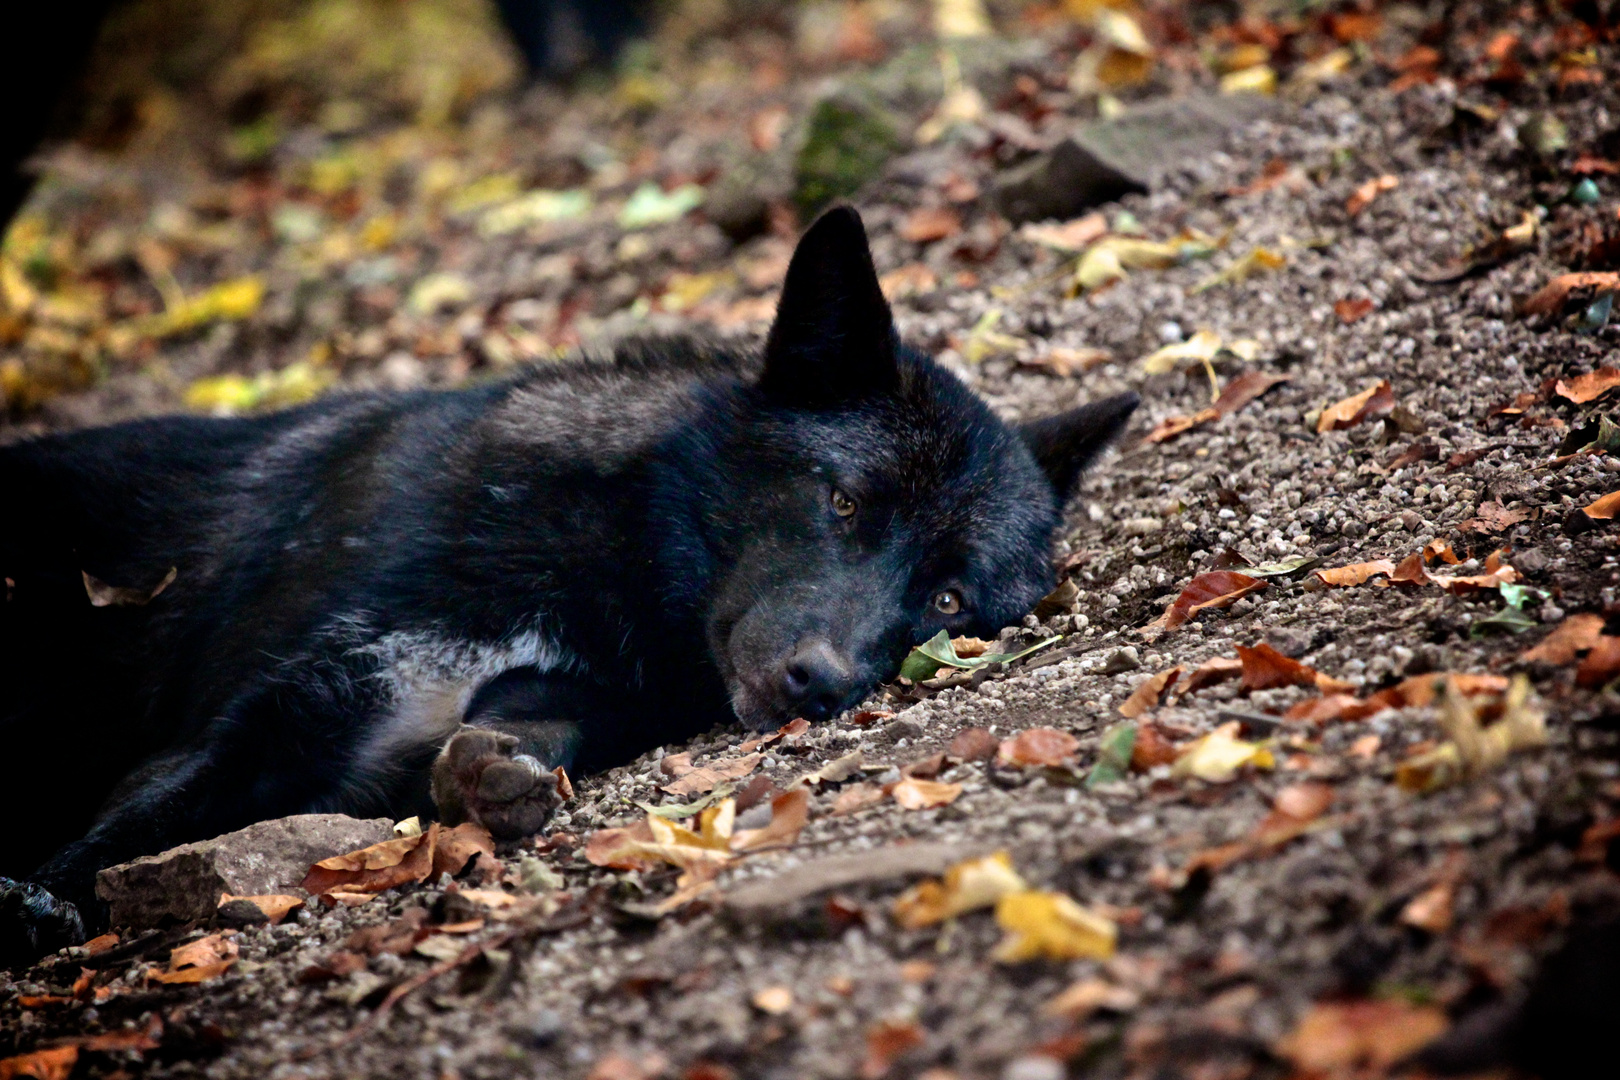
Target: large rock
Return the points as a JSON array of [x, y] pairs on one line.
[[1105, 159], [184, 883]]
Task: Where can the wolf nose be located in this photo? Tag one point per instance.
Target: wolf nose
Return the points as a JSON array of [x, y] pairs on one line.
[[817, 678]]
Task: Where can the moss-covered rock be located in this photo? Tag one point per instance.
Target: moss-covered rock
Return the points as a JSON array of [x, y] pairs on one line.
[[847, 141]]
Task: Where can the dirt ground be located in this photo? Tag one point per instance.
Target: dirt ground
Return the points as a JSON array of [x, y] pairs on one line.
[[1390, 914]]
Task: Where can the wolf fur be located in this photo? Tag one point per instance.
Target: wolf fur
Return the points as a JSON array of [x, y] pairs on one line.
[[562, 568]]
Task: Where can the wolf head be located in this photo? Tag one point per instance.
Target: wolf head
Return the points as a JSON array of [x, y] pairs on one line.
[[858, 498]]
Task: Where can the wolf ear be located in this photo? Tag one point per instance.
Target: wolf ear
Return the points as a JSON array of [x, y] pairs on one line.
[[1066, 443], [833, 339]]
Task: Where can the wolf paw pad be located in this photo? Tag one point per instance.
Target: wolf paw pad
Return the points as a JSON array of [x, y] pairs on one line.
[[481, 777]]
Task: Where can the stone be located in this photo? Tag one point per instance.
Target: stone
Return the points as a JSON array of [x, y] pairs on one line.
[[780, 899], [847, 140], [1130, 153], [271, 857]]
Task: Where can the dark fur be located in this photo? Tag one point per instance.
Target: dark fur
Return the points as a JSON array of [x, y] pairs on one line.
[[594, 558]]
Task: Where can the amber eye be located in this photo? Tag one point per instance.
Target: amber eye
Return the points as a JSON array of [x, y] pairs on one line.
[[947, 602], [842, 504]]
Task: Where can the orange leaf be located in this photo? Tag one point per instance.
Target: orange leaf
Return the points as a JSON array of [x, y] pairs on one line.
[[1366, 193], [924, 794], [1372, 403], [855, 798], [929, 223], [1603, 509], [1244, 389], [1439, 549], [790, 811], [701, 781], [1589, 387], [1549, 300], [275, 908], [1215, 670], [1355, 573], [1494, 517], [605, 847], [1601, 665], [378, 867], [1216, 589], [885, 1041], [1431, 909], [1148, 693], [1038, 746], [41, 1064], [1152, 749], [1264, 668], [1171, 426], [973, 744], [1411, 571], [1353, 310], [1340, 1036], [1574, 635]]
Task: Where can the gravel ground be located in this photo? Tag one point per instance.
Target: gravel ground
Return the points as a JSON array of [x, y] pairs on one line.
[[1212, 970]]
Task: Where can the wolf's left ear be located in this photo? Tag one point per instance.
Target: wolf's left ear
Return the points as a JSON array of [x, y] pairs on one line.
[[833, 339], [1066, 443]]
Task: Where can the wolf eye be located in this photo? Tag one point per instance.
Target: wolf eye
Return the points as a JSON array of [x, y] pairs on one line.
[[947, 602], [842, 504]]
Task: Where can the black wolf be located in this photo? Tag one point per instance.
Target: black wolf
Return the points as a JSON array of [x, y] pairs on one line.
[[386, 601]]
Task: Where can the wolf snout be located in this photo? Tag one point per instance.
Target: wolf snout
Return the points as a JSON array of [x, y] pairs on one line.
[[817, 679]]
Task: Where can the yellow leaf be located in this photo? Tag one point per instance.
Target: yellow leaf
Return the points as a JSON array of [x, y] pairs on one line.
[[1252, 80], [1258, 260], [1202, 347], [229, 300], [961, 18], [967, 886], [1218, 756], [1098, 266], [1052, 926]]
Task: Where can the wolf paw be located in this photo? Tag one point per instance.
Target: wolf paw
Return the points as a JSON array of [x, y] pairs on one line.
[[481, 777], [34, 923]]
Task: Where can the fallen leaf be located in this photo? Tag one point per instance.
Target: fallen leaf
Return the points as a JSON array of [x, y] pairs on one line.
[[885, 1041], [1042, 746], [1364, 195], [1473, 748], [54, 1064], [705, 778], [773, 1000], [98, 945], [924, 794], [1372, 403], [1149, 692], [929, 223], [1576, 634], [1071, 236], [1151, 749], [1212, 671], [1264, 668], [1294, 808], [1085, 997], [910, 280], [651, 205], [1114, 754], [1334, 1037], [1603, 509], [378, 867], [1411, 571], [1353, 310], [835, 771], [1201, 348], [973, 744], [939, 651], [1432, 909], [1588, 387], [1258, 260], [199, 961], [857, 797], [1601, 666], [1549, 300], [966, 886], [1217, 757], [1494, 518], [1439, 549], [275, 908], [1354, 574], [225, 302], [1216, 589], [454, 847], [103, 595], [1171, 426], [1244, 389], [1065, 362], [790, 812], [1048, 925], [786, 733]]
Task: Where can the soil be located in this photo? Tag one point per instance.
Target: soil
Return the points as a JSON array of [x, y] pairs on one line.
[[1217, 968]]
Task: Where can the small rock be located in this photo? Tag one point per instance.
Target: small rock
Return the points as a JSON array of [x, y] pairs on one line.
[[1121, 660], [184, 883], [240, 914], [903, 728], [1142, 526], [1033, 1067], [1061, 183]]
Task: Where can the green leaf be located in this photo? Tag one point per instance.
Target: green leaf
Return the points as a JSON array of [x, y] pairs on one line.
[[1515, 595], [926, 659], [1113, 755], [1509, 620], [651, 205]]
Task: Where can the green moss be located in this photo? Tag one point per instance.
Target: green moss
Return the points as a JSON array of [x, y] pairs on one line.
[[846, 143]]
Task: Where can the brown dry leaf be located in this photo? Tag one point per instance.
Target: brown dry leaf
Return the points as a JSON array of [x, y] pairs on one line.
[[969, 647], [924, 794], [857, 797], [98, 945], [1373, 403], [1496, 573], [796, 726], [454, 847], [1354, 574], [1410, 572], [1215, 670], [1264, 668], [617, 848], [1151, 749], [104, 595], [1353, 310], [1038, 746], [1244, 389], [275, 907], [835, 771], [1148, 693], [885, 1041], [1293, 810], [622, 1067], [1049, 925], [702, 780], [967, 886], [929, 223], [1439, 549], [54, 1064], [973, 744], [1588, 387], [1363, 196], [1216, 589], [790, 811], [1575, 634], [378, 867], [1432, 909], [1603, 509], [909, 280], [1549, 299], [1171, 426], [1071, 236], [1473, 748], [199, 961], [773, 1000], [1335, 1037], [1601, 666], [1066, 362], [1085, 997], [1494, 518]]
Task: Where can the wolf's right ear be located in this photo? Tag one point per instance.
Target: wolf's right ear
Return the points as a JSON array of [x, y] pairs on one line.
[[833, 340], [1066, 443]]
